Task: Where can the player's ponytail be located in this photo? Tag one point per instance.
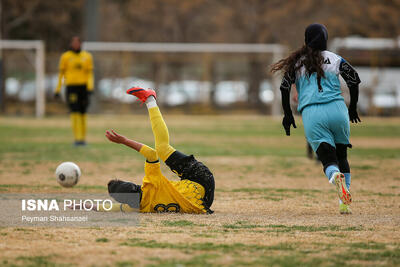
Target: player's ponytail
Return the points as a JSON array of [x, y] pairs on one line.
[[310, 59], [313, 63]]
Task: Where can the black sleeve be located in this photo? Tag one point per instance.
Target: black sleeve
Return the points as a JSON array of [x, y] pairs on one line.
[[352, 80], [286, 85]]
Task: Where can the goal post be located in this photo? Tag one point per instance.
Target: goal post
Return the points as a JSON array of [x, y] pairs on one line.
[[39, 48], [276, 50]]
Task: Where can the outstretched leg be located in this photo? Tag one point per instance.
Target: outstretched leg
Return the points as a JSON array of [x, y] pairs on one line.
[[160, 130]]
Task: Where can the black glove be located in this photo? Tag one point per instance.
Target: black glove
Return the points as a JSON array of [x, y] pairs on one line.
[[287, 121], [56, 96], [353, 115]]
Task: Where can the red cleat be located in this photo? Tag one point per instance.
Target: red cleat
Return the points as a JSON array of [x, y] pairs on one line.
[[342, 190], [141, 94]]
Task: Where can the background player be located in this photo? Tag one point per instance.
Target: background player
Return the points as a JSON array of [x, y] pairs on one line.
[[194, 193], [76, 70], [325, 116]]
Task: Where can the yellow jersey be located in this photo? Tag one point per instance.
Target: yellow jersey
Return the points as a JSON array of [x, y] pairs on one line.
[[76, 69], [161, 195]]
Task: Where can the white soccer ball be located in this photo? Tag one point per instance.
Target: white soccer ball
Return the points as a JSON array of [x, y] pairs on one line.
[[68, 174]]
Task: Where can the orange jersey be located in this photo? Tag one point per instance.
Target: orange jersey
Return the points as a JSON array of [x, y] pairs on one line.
[[159, 194]]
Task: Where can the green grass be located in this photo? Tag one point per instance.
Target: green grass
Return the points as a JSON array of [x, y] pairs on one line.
[[180, 223], [362, 167], [101, 188], [33, 261], [241, 225], [23, 229], [199, 260], [204, 235], [376, 153], [381, 258], [24, 164], [380, 194], [11, 187], [368, 245], [290, 254], [280, 228], [283, 261], [375, 130], [102, 240], [390, 257], [208, 246], [26, 143], [305, 228], [124, 264]]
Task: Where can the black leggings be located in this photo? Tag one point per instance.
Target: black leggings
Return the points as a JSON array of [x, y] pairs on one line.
[[328, 155]]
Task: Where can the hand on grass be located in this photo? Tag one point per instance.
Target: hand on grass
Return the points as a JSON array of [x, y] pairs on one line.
[[115, 137]]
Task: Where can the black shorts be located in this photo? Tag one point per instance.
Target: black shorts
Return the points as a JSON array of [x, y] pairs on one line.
[[187, 167], [77, 98]]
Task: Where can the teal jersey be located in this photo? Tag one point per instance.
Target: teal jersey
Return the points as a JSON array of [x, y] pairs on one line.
[[307, 86], [325, 115]]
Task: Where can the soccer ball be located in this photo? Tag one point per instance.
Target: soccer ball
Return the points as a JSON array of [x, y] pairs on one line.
[[68, 174]]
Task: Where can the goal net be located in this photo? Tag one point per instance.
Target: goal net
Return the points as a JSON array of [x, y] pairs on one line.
[[195, 75], [23, 69]]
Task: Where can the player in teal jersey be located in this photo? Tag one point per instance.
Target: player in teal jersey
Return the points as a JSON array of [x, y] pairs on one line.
[[315, 71]]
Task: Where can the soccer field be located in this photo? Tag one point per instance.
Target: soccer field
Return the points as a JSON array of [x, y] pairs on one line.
[[273, 205]]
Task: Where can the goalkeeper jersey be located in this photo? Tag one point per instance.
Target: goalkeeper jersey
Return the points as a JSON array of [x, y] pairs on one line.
[[76, 68], [161, 195]]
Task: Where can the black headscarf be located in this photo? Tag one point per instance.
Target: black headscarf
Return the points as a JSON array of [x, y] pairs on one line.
[[316, 36]]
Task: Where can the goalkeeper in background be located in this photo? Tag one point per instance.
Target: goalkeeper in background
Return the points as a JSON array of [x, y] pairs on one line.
[[76, 70]]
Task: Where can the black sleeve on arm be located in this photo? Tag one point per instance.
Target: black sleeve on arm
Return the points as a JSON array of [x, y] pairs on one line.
[[287, 81], [352, 80]]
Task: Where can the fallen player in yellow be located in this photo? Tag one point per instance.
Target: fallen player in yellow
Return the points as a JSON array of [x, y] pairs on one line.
[[194, 193]]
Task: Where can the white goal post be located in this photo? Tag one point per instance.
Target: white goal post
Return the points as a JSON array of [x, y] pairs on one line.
[[39, 48], [277, 51]]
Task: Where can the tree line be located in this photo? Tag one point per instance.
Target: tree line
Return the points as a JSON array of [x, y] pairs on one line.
[[227, 21]]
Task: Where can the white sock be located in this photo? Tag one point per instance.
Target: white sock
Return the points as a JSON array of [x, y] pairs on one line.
[[151, 102], [340, 201], [332, 180]]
